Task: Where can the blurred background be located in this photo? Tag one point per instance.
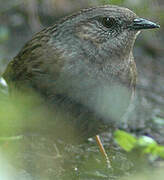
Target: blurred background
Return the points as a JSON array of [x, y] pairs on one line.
[[41, 158]]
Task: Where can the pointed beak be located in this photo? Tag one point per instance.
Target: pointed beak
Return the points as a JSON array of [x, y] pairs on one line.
[[140, 23]]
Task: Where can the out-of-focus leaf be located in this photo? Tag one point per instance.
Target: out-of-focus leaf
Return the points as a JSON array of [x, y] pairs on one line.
[[160, 151], [146, 141], [144, 144], [125, 140]]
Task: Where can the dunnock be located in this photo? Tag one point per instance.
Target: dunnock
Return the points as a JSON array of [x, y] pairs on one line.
[[83, 65]]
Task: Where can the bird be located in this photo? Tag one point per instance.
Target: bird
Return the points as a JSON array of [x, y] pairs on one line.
[[83, 66]]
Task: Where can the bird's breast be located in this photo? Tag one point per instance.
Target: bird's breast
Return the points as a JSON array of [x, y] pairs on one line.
[[106, 91]]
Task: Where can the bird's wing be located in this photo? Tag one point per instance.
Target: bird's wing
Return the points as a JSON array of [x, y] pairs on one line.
[[32, 66]]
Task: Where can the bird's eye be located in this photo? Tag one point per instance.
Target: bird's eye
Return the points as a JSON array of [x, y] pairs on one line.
[[108, 22]]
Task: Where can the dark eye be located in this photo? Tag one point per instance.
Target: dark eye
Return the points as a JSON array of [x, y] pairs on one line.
[[108, 22]]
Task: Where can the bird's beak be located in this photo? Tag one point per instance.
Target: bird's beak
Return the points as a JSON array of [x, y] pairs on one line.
[[140, 23]]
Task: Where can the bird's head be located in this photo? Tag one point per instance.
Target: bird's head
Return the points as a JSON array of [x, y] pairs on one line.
[[108, 28]]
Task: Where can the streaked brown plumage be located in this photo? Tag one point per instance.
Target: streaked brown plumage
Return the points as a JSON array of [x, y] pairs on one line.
[[83, 65]]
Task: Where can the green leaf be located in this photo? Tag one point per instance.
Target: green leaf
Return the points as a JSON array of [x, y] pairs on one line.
[[146, 141], [125, 140], [144, 144], [160, 151], [147, 145]]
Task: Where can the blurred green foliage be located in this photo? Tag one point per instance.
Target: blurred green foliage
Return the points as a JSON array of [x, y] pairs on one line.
[[143, 144]]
